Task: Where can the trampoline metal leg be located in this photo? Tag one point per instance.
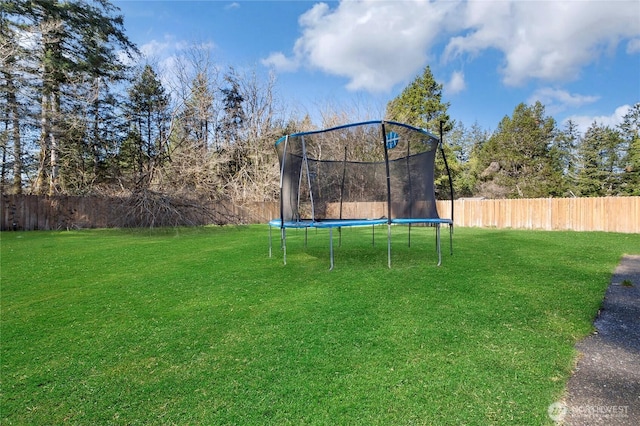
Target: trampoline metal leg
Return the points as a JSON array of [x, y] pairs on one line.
[[283, 237], [389, 245], [269, 241], [451, 239], [438, 244], [331, 247], [373, 235]]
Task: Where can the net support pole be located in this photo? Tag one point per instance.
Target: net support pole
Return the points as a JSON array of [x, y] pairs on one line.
[[386, 164], [282, 232], [305, 160], [344, 174], [410, 192], [446, 166]]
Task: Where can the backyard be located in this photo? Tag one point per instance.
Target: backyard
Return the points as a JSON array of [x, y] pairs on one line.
[[200, 326]]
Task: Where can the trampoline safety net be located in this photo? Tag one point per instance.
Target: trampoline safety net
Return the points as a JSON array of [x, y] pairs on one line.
[[362, 172]]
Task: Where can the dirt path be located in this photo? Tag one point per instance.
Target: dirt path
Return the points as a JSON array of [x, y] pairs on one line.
[[605, 388]]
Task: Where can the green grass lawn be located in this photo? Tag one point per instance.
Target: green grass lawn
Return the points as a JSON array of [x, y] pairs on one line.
[[200, 326]]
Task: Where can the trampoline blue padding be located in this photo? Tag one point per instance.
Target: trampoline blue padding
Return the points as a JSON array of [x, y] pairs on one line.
[[291, 223], [340, 223], [337, 223], [424, 220]]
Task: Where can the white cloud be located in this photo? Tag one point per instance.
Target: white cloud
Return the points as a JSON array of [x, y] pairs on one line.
[[583, 122], [156, 48], [374, 44], [169, 45], [545, 40], [456, 84], [633, 46], [378, 44], [280, 62], [171, 57], [557, 100], [233, 5], [162, 55]]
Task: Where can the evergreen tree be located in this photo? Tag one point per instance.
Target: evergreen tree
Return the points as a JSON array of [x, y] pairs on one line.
[[630, 128], [467, 143], [18, 72], [145, 148], [231, 125], [74, 42], [600, 162], [518, 160], [566, 145], [198, 112], [420, 104], [10, 71], [234, 115]]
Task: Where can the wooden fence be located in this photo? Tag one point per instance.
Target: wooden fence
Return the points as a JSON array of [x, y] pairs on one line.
[[31, 212], [608, 214]]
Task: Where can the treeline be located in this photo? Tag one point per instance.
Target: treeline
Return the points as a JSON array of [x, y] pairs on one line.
[[84, 113], [529, 156]]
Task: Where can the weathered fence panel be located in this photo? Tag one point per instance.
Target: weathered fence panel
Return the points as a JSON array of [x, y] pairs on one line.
[[608, 214], [31, 212]]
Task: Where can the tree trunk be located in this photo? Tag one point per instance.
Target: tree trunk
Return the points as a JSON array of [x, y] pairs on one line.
[[17, 150], [12, 120], [55, 168], [44, 140]]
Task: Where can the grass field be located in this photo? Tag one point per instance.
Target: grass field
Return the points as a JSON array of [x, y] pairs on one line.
[[200, 326]]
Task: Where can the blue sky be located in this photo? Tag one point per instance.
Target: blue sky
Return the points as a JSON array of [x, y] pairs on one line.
[[580, 58]]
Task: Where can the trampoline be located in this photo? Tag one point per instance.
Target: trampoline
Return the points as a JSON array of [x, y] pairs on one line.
[[371, 173]]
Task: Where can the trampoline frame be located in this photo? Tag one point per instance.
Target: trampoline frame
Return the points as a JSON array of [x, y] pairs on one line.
[[331, 224]]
